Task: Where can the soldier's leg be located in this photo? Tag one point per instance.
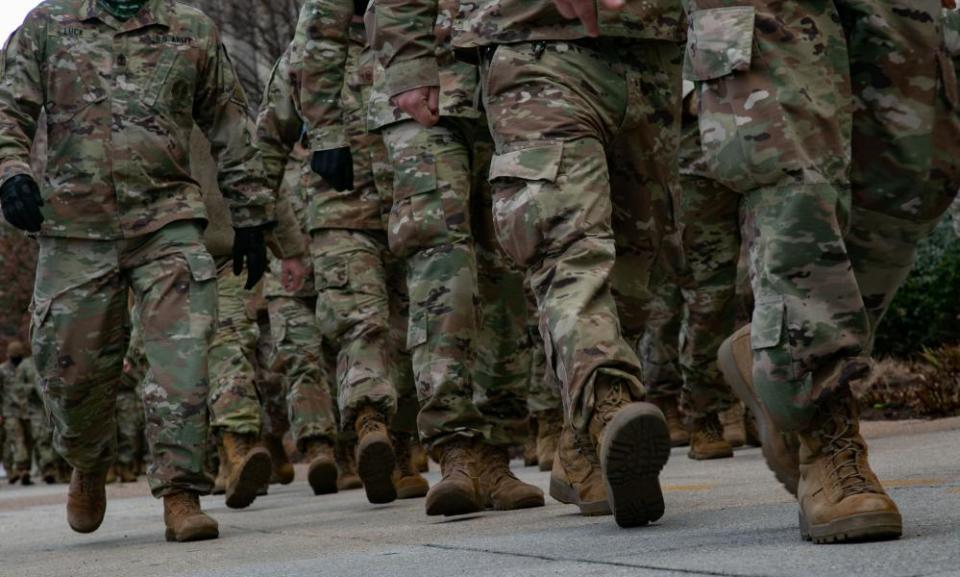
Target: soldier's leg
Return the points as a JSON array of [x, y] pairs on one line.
[[905, 173], [273, 402], [80, 309], [430, 228], [129, 423], [234, 402], [18, 439], [175, 291], [555, 212], [543, 395], [659, 354], [298, 355], [353, 311], [711, 246]]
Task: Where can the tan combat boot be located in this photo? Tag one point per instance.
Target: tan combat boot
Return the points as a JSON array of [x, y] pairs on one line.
[[407, 479], [734, 427], [322, 472], [633, 443], [780, 449], [840, 497], [502, 490], [223, 472], [250, 469], [86, 501], [549, 425], [679, 435], [577, 478], [420, 458], [348, 479], [458, 492], [283, 471], [375, 457], [706, 440], [530, 455], [125, 473], [185, 521]]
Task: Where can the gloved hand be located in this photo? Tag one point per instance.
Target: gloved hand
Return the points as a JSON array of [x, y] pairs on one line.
[[359, 7], [335, 166], [21, 202], [249, 245]]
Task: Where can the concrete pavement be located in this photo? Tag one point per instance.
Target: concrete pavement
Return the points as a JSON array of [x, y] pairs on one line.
[[724, 518]]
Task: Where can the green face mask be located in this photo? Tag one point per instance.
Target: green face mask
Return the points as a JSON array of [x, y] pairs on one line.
[[122, 9]]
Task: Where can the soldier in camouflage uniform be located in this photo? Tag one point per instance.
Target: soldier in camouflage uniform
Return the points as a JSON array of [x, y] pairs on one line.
[[838, 124], [360, 287], [130, 412], [575, 222], [468, 312], [121, 82], [48, 461], [16, 415]]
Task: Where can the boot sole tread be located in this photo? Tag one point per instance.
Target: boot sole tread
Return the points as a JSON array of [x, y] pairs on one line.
[[636, 448], [375, 464], [255, 473], [323, 478], [854, 529], [450, 502]]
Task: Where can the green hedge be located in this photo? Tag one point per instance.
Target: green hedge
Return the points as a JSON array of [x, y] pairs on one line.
[[926, 312]]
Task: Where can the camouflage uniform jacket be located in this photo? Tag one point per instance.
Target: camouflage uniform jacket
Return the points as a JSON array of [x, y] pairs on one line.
[[458, 81], [121, 99], [406, 38]]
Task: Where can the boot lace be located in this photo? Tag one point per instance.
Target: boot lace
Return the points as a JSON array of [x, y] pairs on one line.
[[370, 422], [711, 428], [844, 453], [613, 398], [183, 505]]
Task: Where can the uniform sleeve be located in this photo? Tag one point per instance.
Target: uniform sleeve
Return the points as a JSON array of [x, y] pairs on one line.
[[406, 44], [220, 110], [287, 240], [323, 38], [21, 96], [279, 125]]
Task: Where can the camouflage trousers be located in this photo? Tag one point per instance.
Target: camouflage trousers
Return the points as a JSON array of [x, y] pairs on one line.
[[130, 423], [467, 314], [693, 309], [234, 401], [358, 289], [586, 138], [543, 395], [298, 356], [19, 442], [838, 123], [80, 338], [271, 384]]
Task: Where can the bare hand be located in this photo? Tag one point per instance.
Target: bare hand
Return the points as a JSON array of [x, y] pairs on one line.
[[423, 104], [293, 273], [585, 10]]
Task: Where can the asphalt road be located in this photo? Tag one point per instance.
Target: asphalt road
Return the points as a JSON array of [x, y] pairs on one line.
[[724, 518]]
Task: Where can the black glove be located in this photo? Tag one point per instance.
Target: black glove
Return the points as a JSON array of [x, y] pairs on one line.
[[359, 7], [335, 166], [21, 202], [249, 245]]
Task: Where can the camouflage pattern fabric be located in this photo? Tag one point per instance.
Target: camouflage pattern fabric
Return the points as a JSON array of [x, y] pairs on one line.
[[19, 442], [271, 385], [233, 399], [571, 218], [298, 355], [122, 9], [40, 431], [130, 411], [658, 348], [842, 136], [160, 72], [543, 395], [80, 316]]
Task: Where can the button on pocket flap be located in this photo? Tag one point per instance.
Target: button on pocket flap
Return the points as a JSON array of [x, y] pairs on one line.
[[202, 266], [332, 272], [767, 328], [540, 162], [721, 42]]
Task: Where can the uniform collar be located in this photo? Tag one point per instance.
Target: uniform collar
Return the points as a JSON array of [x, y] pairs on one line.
[[154, 13]]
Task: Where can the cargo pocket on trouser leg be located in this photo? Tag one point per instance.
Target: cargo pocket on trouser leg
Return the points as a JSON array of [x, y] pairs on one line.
[[519, 177], [332, 275]]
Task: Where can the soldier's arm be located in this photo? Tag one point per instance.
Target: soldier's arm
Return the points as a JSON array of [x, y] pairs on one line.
[[323, 38], [287, 239], [406, 45], [220, 110], [279, 125], [21, 96]]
